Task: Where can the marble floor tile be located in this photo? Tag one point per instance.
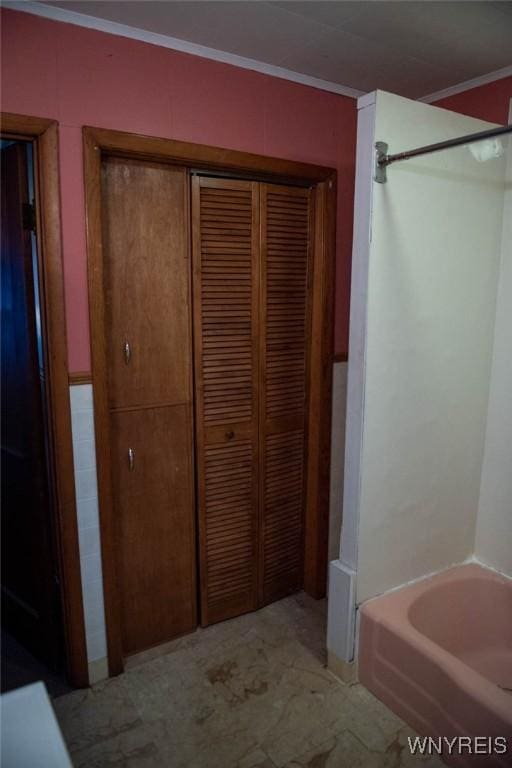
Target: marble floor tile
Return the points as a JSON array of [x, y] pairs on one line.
[[343, 751], [256, 759], [90, 716], [133, 748], [253, 692]]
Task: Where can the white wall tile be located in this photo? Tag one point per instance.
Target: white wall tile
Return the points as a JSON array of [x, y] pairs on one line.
[[85, 484], [96, 645], [89, 541], [82, 421], [84, 454], [81, 397], [88, 514], [96, 620], [94, 606], [93, 593], [91, 567]]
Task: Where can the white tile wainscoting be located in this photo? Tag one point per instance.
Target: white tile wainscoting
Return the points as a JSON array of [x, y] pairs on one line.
[[84, 457], [84, 454], [339, 399]]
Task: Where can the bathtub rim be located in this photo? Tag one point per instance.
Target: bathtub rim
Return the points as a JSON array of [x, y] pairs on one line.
[[463, 676]]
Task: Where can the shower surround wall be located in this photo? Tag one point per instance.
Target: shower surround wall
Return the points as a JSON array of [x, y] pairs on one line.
[[494, 521], [425, 272]]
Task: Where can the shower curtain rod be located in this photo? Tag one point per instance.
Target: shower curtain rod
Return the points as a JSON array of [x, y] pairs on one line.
[[382, 159]]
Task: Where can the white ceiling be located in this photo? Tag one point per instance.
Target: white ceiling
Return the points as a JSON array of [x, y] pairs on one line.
[[410, 48]]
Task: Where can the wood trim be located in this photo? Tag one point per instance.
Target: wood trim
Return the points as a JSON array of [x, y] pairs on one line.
[[205, 157], [341, 357], [320, 394], [98, 142], [44, 134], [79, 377], [23, 126], [111, 593]]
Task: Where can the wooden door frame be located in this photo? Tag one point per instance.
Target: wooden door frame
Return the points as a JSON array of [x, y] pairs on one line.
[[98, 143], [43, 134]]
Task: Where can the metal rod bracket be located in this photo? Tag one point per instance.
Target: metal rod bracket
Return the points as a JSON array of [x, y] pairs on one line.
[[381, 154]]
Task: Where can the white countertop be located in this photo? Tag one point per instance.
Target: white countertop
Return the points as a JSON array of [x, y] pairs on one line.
[[31, 737]]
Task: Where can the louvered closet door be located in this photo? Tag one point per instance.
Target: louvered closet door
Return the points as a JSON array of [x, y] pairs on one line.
[[226, 252], [285, 256]]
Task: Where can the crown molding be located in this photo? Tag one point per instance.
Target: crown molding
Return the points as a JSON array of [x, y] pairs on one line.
[[123, 30], [467, 85]]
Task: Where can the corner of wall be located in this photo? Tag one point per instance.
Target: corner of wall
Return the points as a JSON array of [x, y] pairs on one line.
[[343, 571]]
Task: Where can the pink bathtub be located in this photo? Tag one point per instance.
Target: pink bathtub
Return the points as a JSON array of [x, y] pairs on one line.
[[439, 654]]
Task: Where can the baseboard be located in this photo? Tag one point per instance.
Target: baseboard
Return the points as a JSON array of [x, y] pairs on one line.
[[341, 617], [345, 670]]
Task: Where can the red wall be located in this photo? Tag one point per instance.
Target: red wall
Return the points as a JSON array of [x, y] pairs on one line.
[[487, 102], [79, 77]]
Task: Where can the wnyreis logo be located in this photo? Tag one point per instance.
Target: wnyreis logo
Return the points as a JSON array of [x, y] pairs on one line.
[[459, 745]]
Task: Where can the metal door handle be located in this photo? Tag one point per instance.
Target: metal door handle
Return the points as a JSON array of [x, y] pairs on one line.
[[131, 459], [127, 352]]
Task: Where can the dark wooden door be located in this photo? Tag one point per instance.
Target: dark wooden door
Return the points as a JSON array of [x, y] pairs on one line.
[[226, 321], [251, 247], [30, 596], [148, 308]]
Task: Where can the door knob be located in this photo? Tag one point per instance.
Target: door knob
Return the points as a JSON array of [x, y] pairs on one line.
[[127, 352], [131, 459]]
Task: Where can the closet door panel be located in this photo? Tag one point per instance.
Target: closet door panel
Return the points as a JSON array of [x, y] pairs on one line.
[[146, 282], [285, 227], [225, 251], [229, 528], [153, 497], [147, 298]]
